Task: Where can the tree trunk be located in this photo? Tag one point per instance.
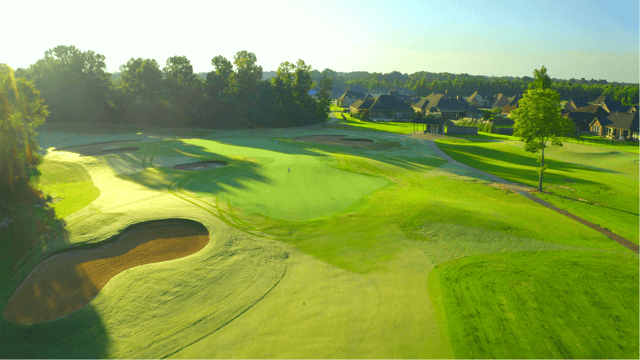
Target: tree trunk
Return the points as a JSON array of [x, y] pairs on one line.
[[541, 171]]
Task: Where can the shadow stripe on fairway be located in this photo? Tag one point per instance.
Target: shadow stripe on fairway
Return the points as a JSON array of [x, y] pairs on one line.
[[522, 190]]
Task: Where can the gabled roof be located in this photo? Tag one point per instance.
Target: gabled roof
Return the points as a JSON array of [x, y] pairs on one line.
[[580, 117], [398, 96], [609, 104], [501, 101], [384, 102], [352, 94], [403, 90], [402, 106], [363, 104], [357, 88], [623, 121]]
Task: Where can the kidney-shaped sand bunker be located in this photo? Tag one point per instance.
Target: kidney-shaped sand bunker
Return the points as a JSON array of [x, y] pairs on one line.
[[68, 281]]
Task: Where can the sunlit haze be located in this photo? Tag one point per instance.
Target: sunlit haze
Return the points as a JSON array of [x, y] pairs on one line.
[[572, 39]]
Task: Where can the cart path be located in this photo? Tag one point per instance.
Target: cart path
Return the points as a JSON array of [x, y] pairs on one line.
[[524, 191]]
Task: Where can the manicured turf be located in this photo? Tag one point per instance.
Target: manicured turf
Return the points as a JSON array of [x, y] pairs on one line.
[[69, 184], [599, 186], [552, 304], [335, 261], [603, 143], [353, 124]]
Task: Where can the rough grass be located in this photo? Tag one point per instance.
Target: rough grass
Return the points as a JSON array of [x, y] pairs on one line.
[[599, 186], [551, 304], [353, 124], [69, 184]]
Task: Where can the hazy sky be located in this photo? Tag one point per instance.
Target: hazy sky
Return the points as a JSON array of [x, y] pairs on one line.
[[573, 39]]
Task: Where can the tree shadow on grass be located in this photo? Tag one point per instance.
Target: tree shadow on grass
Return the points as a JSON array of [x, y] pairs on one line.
[[478, 157], [236, 171], [35, 235]]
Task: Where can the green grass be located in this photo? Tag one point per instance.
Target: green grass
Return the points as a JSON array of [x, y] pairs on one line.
[[552, 304], [602, 143], [353, 124], [608, 179], [484, 136], [336, 260], [69, 184]]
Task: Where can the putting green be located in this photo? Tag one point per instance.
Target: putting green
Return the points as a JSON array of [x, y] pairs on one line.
[[281, 185]]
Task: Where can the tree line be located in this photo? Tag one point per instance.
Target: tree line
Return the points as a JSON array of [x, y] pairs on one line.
[[424, 83], [77, 88]]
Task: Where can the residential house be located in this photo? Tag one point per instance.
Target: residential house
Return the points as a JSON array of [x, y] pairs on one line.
[[357, 88], [610, 105], [400, 96], [617, 125], [349, 97], [581, 120], [478, 100], [383, 107], [440, 105], [375, 92], [500, 101], [403, 91], [336, 92]]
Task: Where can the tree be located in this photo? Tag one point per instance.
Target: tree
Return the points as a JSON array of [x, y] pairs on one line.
[[538, 121], [324, 102], [141, 88], [182, 90], [21, 111], [74, 84], [541, 79]]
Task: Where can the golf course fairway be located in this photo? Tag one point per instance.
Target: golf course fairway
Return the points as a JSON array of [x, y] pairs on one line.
[[295, 243]]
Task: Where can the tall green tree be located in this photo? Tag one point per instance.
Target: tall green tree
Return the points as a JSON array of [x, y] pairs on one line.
[[182, 90], [540, 79], [74, 84], [324, 97], [141, 88], [21, 111], [245, 82], [538, 121]]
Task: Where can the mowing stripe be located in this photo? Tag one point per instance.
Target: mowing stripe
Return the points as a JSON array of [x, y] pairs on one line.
[[521, 189]]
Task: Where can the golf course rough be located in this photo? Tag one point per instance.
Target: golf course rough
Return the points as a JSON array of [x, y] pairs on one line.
[[66, 282], [378, 251]]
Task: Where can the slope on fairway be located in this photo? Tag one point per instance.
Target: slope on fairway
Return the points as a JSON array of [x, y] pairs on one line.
[[69, 184], [551, 304], [582, 177], [284, 186]]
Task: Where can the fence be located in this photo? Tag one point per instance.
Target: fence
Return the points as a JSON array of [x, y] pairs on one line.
[[589, 141], [462, 130]]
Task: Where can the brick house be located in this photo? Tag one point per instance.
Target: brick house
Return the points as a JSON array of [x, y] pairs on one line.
[[616, 125], [349, 97], [383, 107]]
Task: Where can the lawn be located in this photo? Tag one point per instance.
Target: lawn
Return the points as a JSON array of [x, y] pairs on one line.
[[69, 184], [354, 252], [353, 124], [598, 185]]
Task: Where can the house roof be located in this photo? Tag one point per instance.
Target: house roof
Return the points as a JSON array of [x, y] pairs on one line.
[[623, 121], [402, 106], [580, 117], [501, 101], [609, 104], [403, 90], [398, 96], [363, 104], [352, 94], [357, 88], [384, 102]]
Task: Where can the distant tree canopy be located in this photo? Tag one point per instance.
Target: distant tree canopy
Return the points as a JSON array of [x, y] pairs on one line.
[[21, 111], [77, 89]]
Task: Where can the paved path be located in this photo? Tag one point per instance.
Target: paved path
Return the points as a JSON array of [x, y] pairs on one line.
[[525, 191]]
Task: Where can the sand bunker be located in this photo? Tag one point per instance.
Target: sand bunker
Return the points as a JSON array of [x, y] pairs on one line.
[[335, 140], [99, 148], [204, 165], [68, 281]]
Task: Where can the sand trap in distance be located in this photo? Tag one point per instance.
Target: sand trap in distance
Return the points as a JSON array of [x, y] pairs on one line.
[[335, 140], [98, 148], [68, 281], [203, 165]]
